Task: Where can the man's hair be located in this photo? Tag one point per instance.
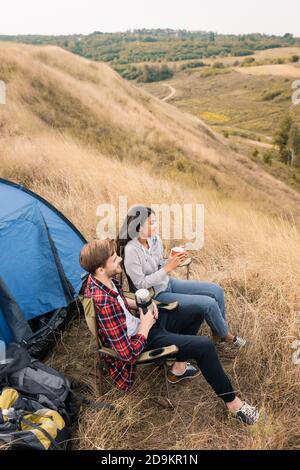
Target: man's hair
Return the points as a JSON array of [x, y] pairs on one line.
[[96, 253]]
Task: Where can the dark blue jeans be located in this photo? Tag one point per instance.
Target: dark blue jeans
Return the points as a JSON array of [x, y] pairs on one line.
[[202, 299], [174, 327]]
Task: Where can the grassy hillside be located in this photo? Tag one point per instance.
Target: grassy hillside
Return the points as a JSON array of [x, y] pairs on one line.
[[165, 51], [244, 103], [51, 92], [79, 135]]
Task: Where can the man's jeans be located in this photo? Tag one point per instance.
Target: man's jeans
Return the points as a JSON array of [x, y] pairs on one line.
[[181, 329], [198, 298]]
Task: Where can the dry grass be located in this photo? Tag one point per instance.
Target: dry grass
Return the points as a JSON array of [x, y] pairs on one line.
[[254, 255], [285, 70]]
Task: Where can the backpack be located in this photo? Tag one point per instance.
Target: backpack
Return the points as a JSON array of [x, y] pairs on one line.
[[35, 380], [26, 425]]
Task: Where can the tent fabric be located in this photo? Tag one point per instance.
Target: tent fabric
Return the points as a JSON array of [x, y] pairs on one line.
[[13, 325], [39, 255]]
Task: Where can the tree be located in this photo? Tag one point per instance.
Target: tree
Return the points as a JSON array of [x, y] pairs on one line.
[[212, 36], [281, 138], [294, 145]]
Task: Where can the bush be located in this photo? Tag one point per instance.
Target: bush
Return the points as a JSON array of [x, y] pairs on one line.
[[267, 157], [294, 58], [193, 65], [218, 65], [243, 53], [248, 61], [271, 95], [151, 73]]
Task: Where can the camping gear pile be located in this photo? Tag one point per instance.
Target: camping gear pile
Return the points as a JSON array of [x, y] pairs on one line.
[[37, 405]]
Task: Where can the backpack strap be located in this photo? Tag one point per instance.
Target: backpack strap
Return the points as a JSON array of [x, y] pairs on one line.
[[21, 377]]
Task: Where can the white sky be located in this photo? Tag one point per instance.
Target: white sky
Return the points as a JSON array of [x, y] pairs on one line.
[[222, 16]]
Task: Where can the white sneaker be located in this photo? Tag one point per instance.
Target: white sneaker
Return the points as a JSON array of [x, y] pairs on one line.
[[239, 342], [247, 414]]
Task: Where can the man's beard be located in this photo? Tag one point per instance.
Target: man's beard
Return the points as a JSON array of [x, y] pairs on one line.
[[116, 271]]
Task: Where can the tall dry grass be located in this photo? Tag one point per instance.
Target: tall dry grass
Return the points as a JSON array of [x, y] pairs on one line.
[[252, 254]]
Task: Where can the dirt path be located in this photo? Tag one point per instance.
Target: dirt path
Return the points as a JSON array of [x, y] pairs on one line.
[[253, 142], [233, 128], [171, 94]]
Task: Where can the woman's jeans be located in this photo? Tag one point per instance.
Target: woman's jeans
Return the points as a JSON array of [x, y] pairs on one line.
[[198, 299], [175, 327]]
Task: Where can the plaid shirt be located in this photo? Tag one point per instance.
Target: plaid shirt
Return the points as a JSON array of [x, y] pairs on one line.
[[112, 331]]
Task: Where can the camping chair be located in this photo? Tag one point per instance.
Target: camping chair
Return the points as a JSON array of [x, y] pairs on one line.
[[157, 357]]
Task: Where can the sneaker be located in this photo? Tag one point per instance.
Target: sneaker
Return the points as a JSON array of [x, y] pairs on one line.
[[247, 414], [190, 372], [239, 342]]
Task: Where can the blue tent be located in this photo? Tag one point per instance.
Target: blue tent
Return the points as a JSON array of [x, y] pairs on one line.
[[40, 272]]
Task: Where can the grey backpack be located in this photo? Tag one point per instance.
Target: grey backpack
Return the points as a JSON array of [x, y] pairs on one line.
[[39, 382]]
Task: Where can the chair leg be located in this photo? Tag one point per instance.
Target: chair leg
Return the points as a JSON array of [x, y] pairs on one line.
[[100, 376], [188, 272], [167, 386]]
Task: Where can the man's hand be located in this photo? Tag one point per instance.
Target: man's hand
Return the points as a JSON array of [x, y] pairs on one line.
[[147, 321], [155, 311]]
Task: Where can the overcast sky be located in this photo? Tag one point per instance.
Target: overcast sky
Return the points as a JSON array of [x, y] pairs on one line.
[[222, 16]]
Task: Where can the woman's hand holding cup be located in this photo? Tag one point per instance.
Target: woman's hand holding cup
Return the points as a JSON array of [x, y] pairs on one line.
[[177, 256]]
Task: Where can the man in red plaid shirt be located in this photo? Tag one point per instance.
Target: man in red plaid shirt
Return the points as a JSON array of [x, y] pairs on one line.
[[117, 327]]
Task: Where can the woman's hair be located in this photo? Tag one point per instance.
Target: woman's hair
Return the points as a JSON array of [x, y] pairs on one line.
[[136, 217]]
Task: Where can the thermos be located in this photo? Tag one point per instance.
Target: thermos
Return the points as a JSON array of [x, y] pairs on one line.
[[143, 299]]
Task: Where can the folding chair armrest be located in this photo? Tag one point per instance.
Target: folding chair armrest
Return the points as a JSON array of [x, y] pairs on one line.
[[186, 262], [108, 352], [150, 356], [147, 356], [129, 295], [170, 306]]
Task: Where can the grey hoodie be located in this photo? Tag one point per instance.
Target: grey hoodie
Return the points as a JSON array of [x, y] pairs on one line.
[[145, 267]]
